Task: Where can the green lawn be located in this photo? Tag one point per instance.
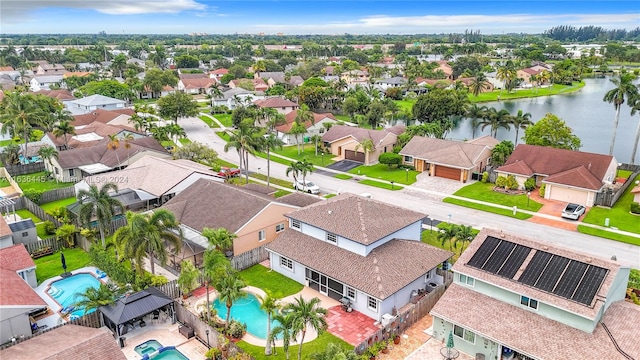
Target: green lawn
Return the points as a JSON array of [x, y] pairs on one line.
[[281, 193], [50, 266], [343, 177], [483, 191], [383, 172], [167, 143], [381, 185], [315, 346], [224, 135], [431, 237], [271, 282], [619, 215], [50, 206], [307, 151], [36, 181], [609, 235], [225, 119], [25, 214], [272, 180], [624, 173], [329, 196], [207, 120], [184, 141], [42, 234], [487, 208], [344, 118]]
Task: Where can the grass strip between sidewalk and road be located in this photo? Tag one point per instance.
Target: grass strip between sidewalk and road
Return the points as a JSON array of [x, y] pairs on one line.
[[609, 235]]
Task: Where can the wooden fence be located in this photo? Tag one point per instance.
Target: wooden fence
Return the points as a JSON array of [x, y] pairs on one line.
[[171, 289], [609, 198], [57, 194], [37, 211], [50, 242], [24, 169], [249, 258]]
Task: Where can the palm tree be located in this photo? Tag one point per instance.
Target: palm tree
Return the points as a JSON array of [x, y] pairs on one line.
[[271, 142], [229, 290], [496, 119], [303, 116], [93, 298], [367, 145], [286, 331], [296, 130], [114, 144], [219, 239], [521, 121], [247, 140], [305, 169], [475, 112], [307, 314], [127, 138], [147, 235], [478, 84], [64, 128], [20, 112], [270, 306], [464, 234], [624, 89], [294, 169], [47, 153], [447, 233], [99, 204], [635, 108], [214, 266]]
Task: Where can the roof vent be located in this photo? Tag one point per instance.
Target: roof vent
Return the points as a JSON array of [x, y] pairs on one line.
[[588, 260], [545, 247], [614, 258], [329, 212]]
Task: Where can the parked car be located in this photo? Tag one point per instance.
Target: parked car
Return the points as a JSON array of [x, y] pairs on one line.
[[573, 211], [309, 187], [229, 172]]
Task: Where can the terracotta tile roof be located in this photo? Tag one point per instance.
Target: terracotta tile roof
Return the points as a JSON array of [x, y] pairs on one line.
[[98, 153], [387, 269], [198, 83], [299, 199], [520, 168], [545, 338], [275, 102], [68, 342], [290, 118], [486, 140], [61, 94], [98, 128], [4, 228], [635, 190], [76, 73], [219, 71], [15, 258], [101, 116], [578, 177], [537, 159], [14, 290], [591, 311], [357, 218], [338, 132], [193, 76], [451, 153], [6, 68]]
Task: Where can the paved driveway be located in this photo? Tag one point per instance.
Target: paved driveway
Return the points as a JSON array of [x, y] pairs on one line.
[[438, 185], [344, 165]]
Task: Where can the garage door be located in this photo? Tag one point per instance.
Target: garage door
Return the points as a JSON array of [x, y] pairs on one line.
[[568, 195], [354, 155], [447, 172]]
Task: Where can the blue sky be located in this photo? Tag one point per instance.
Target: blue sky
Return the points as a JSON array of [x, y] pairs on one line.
[[310, 17]]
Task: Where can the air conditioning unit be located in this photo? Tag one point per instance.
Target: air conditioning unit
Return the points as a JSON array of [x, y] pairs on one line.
[[387, 319]]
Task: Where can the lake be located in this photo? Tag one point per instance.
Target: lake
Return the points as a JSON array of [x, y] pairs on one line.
[[584, 111]]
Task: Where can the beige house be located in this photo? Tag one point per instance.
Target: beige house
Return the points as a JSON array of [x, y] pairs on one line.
[[281, 105], [346, 142], [450, 159], [316, 128], [355, 77], [572, 176]]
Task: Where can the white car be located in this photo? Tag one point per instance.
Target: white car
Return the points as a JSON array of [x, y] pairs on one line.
[[309, 187], [573, 211]]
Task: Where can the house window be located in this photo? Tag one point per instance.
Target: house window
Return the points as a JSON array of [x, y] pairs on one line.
[[529, 302], [71, 173], [408, 158], [372, 303], [467, 280], [286, 263], [25, 234], [351, 293], [332, 238], [427, 276], [464, 334], [279, 228], [295, 224], [262, 235]]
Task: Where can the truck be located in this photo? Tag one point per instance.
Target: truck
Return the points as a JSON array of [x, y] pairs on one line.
[[228, 172]]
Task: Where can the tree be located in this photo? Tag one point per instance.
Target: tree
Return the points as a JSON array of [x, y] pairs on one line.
[[520, 121], [335, 352], [303, 116], [219, 239], [447, 233], [624, 89], [119, 63], [553, 132], [269, 305], [305, 168], [64, 128], [66, 233], [367, 145], [294, 169], [635, 107], [127, 138], [375, 114], [20, 113], [197, 152], [214, 266], [464, 234], [496, 119], [177, 105], [247, 140], [475, 112], [439, 105], [110, 88], [229, 291], [307, 313], [188, 279], [93, 298], [149, 235], [47, 153], [501, 152], [285, 330], [390, 159], [479, 84], [99, 204], [296, 130], [270, 142], [114, 144]]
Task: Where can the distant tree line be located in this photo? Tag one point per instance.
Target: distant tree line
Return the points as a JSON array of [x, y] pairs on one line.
[[591, 33]]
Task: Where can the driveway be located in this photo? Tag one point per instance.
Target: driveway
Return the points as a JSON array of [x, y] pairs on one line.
[[440, 187], [344, 165], [553, 207]]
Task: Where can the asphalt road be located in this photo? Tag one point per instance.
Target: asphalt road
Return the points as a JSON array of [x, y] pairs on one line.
[[422, 201]]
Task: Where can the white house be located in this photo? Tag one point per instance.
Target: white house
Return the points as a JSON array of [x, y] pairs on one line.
[[236, 97], [90, 103], [44, 82], [283, 131]]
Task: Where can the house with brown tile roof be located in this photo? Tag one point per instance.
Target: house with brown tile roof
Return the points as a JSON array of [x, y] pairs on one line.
[[316, 127], [346, 142], [17, 297], [94, 132], [355, 77], [450, 159], [280, 104], [60, 94], [218, 73], [514, 296], [572, 176], [358, 248], [196, 85], [6, 235], [68, 342], [118, 117], [257, 84]]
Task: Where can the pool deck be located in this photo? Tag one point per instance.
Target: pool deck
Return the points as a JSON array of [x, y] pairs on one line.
[[166, 334]]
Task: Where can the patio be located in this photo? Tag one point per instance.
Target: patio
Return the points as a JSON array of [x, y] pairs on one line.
[[166, 334], [352, 327]]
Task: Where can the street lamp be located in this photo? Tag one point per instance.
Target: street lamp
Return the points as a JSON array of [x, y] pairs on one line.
[[392, 185], [322, 158], [407, 175], [528, 196], [430, 224], [207, 332]]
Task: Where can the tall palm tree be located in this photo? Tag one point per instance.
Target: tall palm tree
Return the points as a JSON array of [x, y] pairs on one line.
[[285, 330], [624, 89], [47, 153], [464, 234], [99, 204], [214, 266], [635, 107], [496, 119], [479, 83], [294, 169], [367, 145], [247, 140], [447, 233], [303, 116], [305, 314], [20, 113], [270, 306], [229, 291], [219, 239], [127, 138], [305, 169], [92, 298], [521, 121], [475, 112], [114, 144], [296, 130], [270, 142]]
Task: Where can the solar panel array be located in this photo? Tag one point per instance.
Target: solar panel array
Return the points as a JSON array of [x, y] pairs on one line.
[[559, 275]]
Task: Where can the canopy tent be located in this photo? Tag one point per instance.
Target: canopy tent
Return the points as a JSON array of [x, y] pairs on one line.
[[134, 307]]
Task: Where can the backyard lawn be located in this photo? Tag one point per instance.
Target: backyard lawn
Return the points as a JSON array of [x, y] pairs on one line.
[[315, 346], [50, 265], [36, 181], [619, 216], [271, 282], [25, 214], [431, 237], [51, 206], [383, 172]]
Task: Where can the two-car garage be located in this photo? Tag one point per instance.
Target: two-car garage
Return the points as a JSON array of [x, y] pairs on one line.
[[447, 172], [354, 155]]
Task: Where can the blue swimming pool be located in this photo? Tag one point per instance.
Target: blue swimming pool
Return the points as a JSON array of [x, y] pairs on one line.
[[247, 310], [65, 291], [169, 353], [148, 347]]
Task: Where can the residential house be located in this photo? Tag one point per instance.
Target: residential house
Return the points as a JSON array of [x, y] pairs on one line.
[[353, 77], [151, 181], [118, 117], [525, 75], [6, 235], [360, 249], [455, 160], [281, 105], [60, 94], [17, 298], [391, 82], [316, 127], [346, 142], [75, 164], [467, 81], [444, 66], [235, 97], [44, 82], [50, 69], [90, 103], [90, 135], [196, 85], [23, 231], [519, 298], [572, 176], [12, 73], [6, 82], [137, 62], [279, 77], [218, 73], [256, 84], [146, 92], [636, 194]]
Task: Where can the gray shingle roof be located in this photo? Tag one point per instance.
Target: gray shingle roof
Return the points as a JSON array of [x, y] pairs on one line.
[[95, 100], [22, 225]]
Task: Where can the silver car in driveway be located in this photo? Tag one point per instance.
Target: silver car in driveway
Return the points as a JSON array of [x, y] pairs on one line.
[[573, 211]]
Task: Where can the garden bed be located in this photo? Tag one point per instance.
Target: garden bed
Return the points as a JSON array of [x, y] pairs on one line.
[[508, 191]]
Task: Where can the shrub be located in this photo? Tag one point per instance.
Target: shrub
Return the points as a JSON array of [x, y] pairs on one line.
[[105, 260], [36, 135], [542, 189], [158, 280], [390, 159], [236, 329], [213, 354], [33, 195], [49, 227], [635, 208], [501, 181], [530, 184], [485, 176], [512, 183]]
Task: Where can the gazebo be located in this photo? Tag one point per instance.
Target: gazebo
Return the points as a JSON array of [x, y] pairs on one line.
[[131, 308]]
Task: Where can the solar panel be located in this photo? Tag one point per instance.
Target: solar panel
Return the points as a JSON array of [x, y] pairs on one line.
[[571, 279], [552, 273], [482, 254], [536, 266], [589, 285], [517, 257], [494, 263]]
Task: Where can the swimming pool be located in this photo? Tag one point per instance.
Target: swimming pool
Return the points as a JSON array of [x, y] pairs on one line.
[[148, 347], [247, 310], [167, 353], [64, 291]]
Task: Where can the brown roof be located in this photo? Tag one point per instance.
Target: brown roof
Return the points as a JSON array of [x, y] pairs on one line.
[[222, 71], [4, 227], [198, 83], [635, 190], [486, 140], [290, 118], [68, 342], [99, 153], [6, 68], [15, 258], [451, 153], [545, 338], [14, 290], [397, 129], [588, 311], [101, 116], [101, 129], [387, 269], [193, 76], [275, 102], [61, 94], [538, 158], [299, 199], [338, 132], [579, 177], [357, 218]]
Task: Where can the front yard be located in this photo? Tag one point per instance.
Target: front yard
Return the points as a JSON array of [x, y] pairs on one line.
[[484, 192], [383, 172], [307, 152]]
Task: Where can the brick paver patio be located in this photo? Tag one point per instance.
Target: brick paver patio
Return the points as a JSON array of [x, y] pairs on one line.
[[353, 327]]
